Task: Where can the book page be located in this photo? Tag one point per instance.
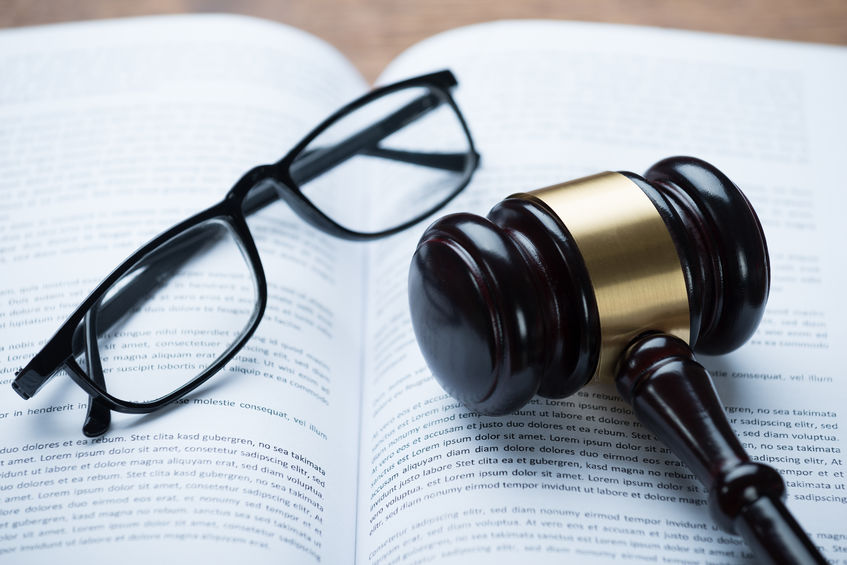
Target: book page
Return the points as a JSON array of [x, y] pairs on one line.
[[580, 480], [112, 132]]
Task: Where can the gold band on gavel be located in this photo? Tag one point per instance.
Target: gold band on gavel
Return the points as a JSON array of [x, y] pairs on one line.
[[631, 260]]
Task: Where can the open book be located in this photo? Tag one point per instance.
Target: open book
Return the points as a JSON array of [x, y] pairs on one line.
[[327, 440]]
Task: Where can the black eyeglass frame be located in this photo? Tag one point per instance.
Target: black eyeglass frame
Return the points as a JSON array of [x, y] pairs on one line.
[[58, 352]]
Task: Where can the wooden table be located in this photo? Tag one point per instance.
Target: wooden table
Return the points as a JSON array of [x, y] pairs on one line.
[[372, 32]]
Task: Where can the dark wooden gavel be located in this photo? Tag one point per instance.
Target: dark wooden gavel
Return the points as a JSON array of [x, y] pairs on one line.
[[613, 276]]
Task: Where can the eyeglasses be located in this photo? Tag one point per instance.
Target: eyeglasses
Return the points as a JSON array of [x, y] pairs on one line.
[[375, 167]]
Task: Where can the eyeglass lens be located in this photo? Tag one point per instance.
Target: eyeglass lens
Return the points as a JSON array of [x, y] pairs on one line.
[[381, 181], [174, 314]]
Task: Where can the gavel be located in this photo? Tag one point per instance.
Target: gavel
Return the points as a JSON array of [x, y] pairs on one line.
[[618, 277]]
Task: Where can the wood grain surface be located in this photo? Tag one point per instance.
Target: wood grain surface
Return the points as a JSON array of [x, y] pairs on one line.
[[372, 32]]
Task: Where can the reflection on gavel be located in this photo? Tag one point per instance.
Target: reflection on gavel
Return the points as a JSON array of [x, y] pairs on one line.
[[613, 276]]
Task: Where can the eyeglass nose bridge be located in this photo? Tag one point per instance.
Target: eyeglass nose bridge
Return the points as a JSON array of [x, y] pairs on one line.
[[276, 184]]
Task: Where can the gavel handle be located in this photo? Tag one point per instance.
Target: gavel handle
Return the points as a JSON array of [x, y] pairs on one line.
[[673, 396]]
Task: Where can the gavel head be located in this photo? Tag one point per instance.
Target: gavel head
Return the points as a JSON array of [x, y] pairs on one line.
[[547, 291]]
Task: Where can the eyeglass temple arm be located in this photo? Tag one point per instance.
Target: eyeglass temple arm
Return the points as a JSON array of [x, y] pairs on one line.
[[454, 162], [98, 417], [261, 196]]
